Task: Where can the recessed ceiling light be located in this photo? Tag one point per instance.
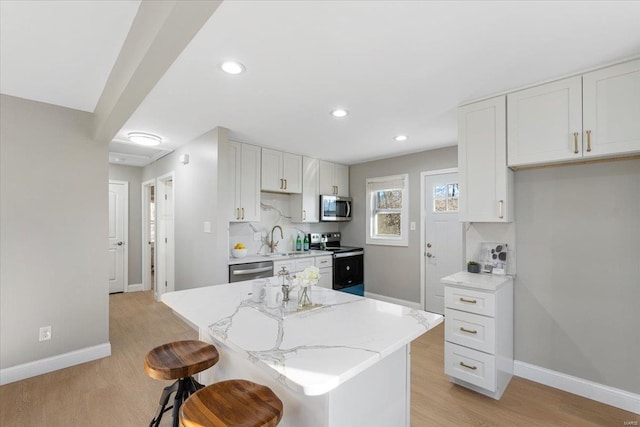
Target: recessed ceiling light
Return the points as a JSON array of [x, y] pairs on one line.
[[232, 67], [339, 112], [146, 139], [400, 138]]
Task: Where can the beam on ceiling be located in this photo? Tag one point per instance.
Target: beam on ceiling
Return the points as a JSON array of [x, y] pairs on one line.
[[160, 31]]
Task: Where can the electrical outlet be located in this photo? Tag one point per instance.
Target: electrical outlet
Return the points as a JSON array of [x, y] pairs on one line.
[[45, 333]]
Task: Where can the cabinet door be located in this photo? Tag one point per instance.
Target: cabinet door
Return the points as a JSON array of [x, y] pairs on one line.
[[250, 183], [341, 179], [272, 170], [326, 178], [233, 180], [485, 181], [611, 102], [326, 278], [305, 207], [545, 123], [292, 173]]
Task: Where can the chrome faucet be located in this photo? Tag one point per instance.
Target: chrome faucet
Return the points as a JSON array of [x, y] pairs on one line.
[[272, 245]]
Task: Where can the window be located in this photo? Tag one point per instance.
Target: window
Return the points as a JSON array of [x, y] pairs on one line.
[[445, 198], [388, 210]]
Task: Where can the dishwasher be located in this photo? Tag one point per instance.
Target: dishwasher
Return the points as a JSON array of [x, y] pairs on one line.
[[249, 271]]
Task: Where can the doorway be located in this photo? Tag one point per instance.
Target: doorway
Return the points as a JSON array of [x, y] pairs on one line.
[[164, 244], [118, 253], [148, 235], [442, 240]]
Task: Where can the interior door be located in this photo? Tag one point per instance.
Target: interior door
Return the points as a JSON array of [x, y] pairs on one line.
[[118, 217], [443, 236], [165, 242]]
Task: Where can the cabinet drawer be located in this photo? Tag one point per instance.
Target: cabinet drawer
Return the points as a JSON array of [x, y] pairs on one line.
[[471, 301], [324, 261], [471, 366], [470, 330], [303, 263]]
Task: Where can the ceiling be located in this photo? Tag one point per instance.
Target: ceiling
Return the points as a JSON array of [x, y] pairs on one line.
[[398, 67]]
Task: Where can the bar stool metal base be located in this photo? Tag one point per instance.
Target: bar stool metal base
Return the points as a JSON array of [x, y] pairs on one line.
[[183, 388]]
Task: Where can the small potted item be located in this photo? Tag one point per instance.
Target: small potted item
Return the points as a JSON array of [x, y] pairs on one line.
[[473, 267]]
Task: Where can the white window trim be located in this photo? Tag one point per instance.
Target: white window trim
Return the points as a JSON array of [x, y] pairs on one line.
[[403, 239]]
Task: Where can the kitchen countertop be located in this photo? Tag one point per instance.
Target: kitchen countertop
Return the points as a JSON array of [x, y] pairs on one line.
[[262, 258], [488, 282], [311, 352]]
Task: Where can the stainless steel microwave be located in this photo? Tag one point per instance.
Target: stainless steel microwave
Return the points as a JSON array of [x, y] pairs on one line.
[[335, 208]]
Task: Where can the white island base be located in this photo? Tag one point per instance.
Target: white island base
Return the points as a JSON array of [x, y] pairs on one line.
[[346, 364], [379, 396]]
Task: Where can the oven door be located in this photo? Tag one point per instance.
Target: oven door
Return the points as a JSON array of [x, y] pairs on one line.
[[334, 208], [348, 269]]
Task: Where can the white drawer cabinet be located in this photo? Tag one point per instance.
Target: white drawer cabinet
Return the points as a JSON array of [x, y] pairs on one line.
[[479, 331]]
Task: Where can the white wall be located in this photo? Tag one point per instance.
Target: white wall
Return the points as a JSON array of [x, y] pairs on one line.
[[132, 175], [53, 228], [200, 258], [393, 271]]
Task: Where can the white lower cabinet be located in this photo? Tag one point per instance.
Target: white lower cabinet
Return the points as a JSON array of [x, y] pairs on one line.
[[295, 265], [478, 349], [325, 264]]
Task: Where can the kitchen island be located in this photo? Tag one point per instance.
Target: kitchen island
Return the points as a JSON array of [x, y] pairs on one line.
[[345, 363]]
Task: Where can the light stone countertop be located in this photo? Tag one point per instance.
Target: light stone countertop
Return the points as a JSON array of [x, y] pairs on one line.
[[483, 281], [262, 258], [311, 352]]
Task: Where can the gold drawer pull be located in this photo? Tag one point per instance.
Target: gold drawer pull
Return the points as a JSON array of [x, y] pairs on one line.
[[575, 142], [468, 366], [470, 301], [588, 141], [468, 330]]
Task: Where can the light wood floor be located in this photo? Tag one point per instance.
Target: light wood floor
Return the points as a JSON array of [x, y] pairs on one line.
[[116, 392]]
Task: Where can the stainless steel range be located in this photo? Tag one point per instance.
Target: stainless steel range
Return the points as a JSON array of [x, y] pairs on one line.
[[348, 262]]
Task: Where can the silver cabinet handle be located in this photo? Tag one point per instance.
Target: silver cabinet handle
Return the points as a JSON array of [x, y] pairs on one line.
[[588, 141], [575, 142], [500, 209], [304, 215], [242, 213]]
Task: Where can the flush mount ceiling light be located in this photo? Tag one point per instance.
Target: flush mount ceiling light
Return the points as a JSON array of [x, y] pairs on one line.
[[339, 113], [401, 138], [145, 139], [232, 67]]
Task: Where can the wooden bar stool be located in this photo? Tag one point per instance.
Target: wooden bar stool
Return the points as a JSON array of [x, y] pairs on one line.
[[232, 403], [178, 361]]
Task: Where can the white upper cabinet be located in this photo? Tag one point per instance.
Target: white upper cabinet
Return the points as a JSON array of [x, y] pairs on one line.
[[334, 179], [485, 181], [281, 172], [545, 123], [244, 182], [589, 116], [611, 110], [305, 207]]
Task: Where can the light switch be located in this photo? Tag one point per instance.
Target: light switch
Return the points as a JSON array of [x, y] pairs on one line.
[[412, 225], [207, 227]]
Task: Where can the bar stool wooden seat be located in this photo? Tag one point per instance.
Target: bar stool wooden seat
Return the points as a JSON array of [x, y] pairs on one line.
[[178, 360], [232, 403]]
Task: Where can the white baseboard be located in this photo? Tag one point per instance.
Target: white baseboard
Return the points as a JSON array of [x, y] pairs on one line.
[[585, 388], [50, 364], [136, 287], [406, 303]]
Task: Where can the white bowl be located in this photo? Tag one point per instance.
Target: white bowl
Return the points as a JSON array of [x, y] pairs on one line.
[[239, 253]]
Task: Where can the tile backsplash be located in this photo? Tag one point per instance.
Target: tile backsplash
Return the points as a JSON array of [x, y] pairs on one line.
[[275, 210]]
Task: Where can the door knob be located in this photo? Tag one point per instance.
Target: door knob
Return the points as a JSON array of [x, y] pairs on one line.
[[120, 243], [428, 245], [429, 254]]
